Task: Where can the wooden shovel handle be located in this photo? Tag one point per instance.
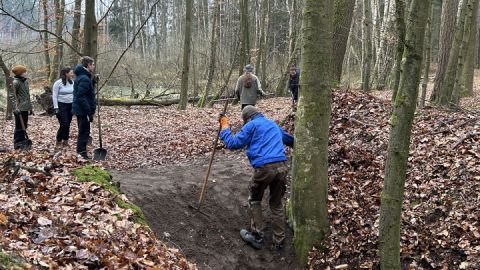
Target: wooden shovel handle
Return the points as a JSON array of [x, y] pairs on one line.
[[202, 193]]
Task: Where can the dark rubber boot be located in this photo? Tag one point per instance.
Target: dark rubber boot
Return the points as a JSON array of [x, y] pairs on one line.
[[254, 239]]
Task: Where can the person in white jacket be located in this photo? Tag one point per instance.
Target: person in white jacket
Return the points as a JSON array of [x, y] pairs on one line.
[[62, 104]]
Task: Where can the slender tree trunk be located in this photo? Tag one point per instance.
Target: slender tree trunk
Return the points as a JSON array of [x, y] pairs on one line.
[[91, 30], [447, 32], [55, 68], [310, 165], [265, 52], [75, 33], [400, 26], [426, 56], [366, 44], [446, 91], [292, 25], [436, 23], [8, 84], [469, 67], [186, 55], [469, 23], [46, 54], [384, 59], [245, 45], [261, 42], [213, 53], [399, 138], [342, 21]]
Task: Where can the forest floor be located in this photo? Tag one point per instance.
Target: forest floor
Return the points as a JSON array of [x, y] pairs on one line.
[[159, 155]]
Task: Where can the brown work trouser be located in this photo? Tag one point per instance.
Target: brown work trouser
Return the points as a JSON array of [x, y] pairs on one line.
[[272, 175]]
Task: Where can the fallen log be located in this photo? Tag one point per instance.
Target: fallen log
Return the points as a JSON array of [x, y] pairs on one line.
[[142, 102]]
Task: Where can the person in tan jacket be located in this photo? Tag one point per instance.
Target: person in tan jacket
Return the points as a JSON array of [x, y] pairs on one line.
[[248, 87]]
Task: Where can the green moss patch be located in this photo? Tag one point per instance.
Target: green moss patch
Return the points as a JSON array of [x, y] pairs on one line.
[[7, 262], [89, 173]]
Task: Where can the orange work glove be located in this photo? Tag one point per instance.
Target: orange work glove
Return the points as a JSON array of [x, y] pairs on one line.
[[223, 121]]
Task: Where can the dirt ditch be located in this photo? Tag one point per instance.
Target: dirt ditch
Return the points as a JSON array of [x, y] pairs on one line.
[[212, 241]]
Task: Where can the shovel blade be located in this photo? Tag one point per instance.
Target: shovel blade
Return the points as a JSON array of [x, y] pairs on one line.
[[99, 154]]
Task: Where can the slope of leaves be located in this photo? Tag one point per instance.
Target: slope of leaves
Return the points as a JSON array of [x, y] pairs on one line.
[[53, 221], [440, 225]]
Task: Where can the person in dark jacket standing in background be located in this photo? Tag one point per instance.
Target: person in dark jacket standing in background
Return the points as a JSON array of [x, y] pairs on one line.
[[22, 105], [83, 105], [264, 141], [62, 97], [248, 87], [294, 83]]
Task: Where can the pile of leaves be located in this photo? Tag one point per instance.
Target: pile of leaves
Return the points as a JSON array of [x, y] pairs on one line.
[[51, 220], [152, 136], [440, 226]]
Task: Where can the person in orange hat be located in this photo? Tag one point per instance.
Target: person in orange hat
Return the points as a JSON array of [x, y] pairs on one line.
[[22, 105]]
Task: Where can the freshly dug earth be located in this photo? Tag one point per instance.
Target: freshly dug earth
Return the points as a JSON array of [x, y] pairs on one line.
[[210, 239]]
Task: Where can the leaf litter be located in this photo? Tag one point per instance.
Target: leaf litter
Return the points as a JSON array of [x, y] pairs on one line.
[[52, 220]]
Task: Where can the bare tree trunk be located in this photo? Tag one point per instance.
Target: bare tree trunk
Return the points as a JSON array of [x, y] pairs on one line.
[[400, 27], [91, 30], [213, 53], [384, 61], [447, 32], [245, 40], [436, 23], [469, 23], [261, 42], [186, 55], [310, 166], [292, 24], [265, 52], [59, 15], [8, 84], [343, 20], [76, 33], [426, 56], [399, 138], [454, 58], [366, 44], [469, 67], [46, 54]]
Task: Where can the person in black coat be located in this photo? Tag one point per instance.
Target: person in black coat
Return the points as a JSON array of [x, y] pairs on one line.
[[83, 105], [294, 83]]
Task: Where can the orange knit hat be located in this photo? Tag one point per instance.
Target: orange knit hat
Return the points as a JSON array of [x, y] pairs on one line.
[[19, 70]]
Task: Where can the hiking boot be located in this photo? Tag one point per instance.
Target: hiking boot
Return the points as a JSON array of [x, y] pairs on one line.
[[277, 247], [252, 238], [58, 145], [65, 144], [84, 155]]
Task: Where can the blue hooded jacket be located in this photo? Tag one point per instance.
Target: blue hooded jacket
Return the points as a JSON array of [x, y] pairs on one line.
[[83, 92], [263, 138]]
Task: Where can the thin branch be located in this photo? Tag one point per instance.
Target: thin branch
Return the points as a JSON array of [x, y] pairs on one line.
[[6, 13], [106, 13], [129, 45]]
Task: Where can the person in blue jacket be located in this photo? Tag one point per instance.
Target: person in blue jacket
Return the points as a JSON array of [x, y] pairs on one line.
[[83, 105], [264, 141]]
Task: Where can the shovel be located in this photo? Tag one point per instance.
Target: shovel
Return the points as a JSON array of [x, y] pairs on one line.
[[99, 153], [204, 187]]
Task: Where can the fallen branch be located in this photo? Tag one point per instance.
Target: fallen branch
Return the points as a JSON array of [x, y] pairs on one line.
[[466, 136], [142, 102]]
